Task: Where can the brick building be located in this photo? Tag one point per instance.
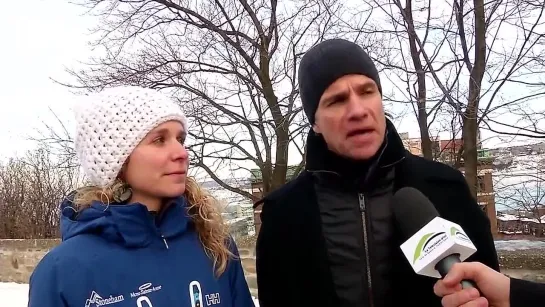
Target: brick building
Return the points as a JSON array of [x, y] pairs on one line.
[[509, 224], [485, 188], [414, 145], [450, 150]]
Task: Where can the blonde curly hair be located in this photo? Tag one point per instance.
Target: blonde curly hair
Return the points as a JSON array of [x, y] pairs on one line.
[[202, 207]]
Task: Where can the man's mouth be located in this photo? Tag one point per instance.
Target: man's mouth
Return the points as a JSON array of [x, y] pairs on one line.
[[358, 132]]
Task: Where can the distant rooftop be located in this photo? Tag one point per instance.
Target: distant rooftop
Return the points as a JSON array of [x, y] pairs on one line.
[[256, 176]]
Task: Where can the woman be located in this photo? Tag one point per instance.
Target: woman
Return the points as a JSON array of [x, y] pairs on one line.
[[142, 233]]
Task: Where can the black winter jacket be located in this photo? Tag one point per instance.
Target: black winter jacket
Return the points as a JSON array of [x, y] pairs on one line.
[[526, 293], [328, 237]]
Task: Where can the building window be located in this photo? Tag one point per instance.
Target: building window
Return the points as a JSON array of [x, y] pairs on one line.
[[480, 184]]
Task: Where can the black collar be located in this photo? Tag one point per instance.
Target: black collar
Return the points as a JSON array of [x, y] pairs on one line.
[[321, 159]]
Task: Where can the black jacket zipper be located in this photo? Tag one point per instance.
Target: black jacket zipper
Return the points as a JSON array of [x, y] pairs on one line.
[[361, 199]]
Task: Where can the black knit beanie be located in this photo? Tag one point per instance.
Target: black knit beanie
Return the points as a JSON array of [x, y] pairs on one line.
[[325, 63]]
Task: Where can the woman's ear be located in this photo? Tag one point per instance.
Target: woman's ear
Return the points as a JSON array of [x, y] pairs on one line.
[[121, 174]]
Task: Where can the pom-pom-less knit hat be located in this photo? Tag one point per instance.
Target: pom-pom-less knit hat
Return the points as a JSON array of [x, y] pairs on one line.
[[326, 62], [110, 124]]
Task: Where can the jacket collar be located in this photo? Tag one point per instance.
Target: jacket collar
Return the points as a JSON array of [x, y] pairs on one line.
[[321, 160], [131, 225]]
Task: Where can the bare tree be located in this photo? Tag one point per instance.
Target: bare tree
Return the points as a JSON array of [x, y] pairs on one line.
[[56, 139], [448, 42], [31, 189], [12, 194], [231, 64]]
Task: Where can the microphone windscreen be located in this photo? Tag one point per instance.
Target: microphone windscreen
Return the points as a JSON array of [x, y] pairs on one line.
[[412, 210]]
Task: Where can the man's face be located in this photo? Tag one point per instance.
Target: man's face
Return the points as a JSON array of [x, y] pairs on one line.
[[350, 117]]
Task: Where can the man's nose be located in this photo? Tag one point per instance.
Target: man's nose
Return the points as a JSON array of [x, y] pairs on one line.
[[356, 107]]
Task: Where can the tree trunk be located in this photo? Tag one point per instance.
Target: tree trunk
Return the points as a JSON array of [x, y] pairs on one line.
[[427, 151], [281, 162], [279, 170], [421, 83], [470, 128], [470, 150]]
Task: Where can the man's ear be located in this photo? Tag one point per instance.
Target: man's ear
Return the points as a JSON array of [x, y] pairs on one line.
[[316, 128]]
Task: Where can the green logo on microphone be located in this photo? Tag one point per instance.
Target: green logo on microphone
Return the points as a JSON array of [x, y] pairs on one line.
[[428, 243], [457, 233]]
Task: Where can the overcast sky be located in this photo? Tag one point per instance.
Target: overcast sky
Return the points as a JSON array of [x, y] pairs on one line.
[[38, 38]]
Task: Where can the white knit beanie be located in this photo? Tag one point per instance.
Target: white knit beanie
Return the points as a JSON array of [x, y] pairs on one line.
[[110, 124]]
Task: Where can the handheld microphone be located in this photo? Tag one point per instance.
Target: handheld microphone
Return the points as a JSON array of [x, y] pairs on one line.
[[434, 244]]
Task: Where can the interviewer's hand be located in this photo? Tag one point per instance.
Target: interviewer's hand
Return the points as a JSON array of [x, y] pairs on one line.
[[493, 285]]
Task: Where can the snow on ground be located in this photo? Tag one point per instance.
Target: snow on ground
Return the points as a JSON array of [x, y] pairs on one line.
[[15, 295], [513, 245]]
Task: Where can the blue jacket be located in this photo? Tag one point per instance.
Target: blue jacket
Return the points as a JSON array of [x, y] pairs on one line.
[[121, 256]]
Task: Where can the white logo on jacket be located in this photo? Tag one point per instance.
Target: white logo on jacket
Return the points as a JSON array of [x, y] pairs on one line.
[[213, 299], [145, 289], [96, 300], [196, 295]]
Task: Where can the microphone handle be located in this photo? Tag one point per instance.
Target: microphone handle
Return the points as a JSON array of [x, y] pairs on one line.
[[466, 284], [444, 266]]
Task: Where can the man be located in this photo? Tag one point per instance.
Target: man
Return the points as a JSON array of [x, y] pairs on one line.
[[497, 289], [327, 237]]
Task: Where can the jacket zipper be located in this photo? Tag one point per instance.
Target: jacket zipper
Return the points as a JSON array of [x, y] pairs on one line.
[[158, 231], [165, 241], [361, 198]]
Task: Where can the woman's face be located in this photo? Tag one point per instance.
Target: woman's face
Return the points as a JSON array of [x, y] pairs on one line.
[[157, 167]]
